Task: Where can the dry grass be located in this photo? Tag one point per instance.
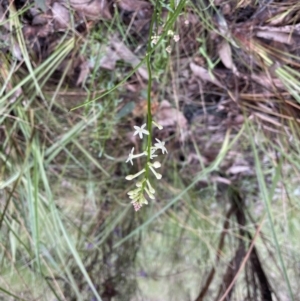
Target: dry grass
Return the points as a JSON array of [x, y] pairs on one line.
[[228, 94]]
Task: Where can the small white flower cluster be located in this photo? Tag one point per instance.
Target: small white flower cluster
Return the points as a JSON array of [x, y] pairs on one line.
[[137, 195], [176, 38], [155, 38]]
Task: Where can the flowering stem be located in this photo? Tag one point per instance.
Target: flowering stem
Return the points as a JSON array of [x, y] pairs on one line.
[[140, 195], [149, 113]]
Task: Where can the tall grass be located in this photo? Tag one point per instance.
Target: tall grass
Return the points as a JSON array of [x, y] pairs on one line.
[[68, 231]]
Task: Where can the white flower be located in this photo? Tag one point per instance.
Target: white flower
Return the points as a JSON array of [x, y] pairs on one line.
[[154, 39], [170, 32], [152, 152], [157, 175], [156, 164], [160, 145], [140, 130], [151, 189], [150, 195], [169, 49], [176, 38], [132, 156], [139, 202], [134, 192], [140, 184], [133, 196], [131, 177]]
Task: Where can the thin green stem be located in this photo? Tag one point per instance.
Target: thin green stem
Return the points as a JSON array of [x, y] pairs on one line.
[[149, 113], [137, 195], [168, 25]]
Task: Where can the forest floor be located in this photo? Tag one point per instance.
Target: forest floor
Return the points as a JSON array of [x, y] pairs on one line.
[[223, 79]]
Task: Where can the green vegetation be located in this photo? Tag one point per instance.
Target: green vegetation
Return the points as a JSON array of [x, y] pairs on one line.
[[223, 80]]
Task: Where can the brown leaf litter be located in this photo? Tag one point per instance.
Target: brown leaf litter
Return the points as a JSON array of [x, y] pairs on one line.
[[95, 10], [238, 54], [243, 82], [169, 116]]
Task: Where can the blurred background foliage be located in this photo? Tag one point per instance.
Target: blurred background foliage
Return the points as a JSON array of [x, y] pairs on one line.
[[225, 225]]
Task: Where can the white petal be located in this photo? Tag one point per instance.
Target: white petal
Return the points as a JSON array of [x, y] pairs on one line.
[[156, 164]]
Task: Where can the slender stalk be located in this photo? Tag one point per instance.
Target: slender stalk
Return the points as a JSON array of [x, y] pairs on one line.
[[148, 62]]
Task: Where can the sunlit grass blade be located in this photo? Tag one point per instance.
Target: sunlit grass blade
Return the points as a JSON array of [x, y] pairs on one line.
[[267, 197]]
